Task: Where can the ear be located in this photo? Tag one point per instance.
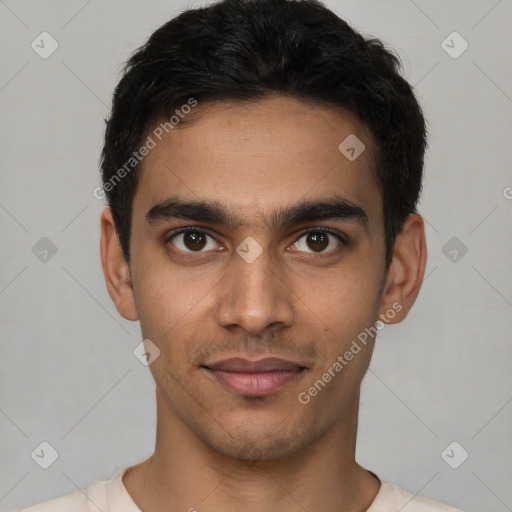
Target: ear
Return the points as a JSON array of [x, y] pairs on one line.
[[116, 269], [406, 271]]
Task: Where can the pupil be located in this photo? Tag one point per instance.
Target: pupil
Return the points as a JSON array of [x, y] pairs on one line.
[[194, 240], [319, 239]]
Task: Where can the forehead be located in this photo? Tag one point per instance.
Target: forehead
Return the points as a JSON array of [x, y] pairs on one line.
[[256, 157]]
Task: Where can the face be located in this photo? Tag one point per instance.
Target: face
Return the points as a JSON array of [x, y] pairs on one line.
[[282, 257]]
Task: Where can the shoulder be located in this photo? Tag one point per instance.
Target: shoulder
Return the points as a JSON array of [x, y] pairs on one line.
[[92, 498], [74, 502], [392, 498]]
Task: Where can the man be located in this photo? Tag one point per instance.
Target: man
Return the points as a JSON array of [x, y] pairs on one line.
[[262, 165]]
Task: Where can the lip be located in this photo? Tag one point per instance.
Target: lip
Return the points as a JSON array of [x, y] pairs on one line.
[[243, 365], [254, 378]]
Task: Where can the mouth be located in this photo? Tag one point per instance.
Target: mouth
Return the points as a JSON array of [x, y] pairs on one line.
[[254, 378]]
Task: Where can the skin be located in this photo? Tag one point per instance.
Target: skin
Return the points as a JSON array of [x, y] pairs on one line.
[[217, 450]]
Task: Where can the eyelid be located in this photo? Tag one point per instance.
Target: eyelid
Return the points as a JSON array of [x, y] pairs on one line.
[[337, 234], [186, 229], [340, 237]]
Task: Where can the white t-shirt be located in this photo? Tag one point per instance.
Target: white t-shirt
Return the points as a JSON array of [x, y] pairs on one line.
[[112, 496]]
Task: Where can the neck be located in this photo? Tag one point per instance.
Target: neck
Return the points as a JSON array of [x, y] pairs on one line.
[[184, 474]]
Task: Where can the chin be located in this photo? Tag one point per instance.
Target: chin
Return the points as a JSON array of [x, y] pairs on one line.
[[256, 451], [252, 444]]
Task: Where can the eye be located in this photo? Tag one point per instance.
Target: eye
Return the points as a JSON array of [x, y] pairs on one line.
[[319, 240], [192, 240]]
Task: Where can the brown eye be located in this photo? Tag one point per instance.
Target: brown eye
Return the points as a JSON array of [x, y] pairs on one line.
[[318, 240], [192, 240]]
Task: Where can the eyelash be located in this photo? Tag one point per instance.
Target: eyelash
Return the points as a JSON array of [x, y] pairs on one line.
[[339, 236]]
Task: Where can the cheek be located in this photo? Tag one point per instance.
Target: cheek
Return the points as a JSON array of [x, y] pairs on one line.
[[341, 300], [159, 292], [171, 311]]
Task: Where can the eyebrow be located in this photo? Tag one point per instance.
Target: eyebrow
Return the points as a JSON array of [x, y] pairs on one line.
[[213, 212]]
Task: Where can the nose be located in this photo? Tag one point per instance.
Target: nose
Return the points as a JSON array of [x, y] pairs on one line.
[[254, 296]]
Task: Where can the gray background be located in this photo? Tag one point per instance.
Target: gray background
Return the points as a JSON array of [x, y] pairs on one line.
[[69, 376]]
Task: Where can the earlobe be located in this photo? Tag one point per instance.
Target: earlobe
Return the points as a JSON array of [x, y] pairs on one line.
[[406, 271], [115, 268]]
